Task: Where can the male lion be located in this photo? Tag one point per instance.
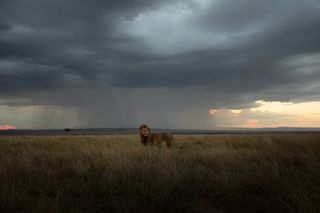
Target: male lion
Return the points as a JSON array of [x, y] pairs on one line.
[[148, 138]]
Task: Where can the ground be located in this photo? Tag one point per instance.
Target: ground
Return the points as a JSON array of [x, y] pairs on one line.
[[201, 173]]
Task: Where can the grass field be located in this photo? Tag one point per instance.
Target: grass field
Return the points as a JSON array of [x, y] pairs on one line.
[[202, 173]]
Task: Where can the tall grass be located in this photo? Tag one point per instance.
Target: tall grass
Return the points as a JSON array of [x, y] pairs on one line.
[[217, 173]]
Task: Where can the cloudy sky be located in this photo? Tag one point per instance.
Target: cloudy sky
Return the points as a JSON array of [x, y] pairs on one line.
[[183, 64]]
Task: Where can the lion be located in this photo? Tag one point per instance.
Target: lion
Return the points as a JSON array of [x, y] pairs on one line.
[[148, 138]]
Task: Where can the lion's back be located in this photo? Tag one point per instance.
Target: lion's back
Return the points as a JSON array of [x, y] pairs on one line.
[[161, 137]]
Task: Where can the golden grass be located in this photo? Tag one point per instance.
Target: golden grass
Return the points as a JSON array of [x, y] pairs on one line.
[[202, 173]]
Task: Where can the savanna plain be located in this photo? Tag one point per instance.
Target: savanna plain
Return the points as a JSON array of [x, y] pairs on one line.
[[201, 173]]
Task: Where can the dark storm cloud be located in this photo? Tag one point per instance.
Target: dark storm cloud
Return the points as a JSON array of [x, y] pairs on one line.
[[232, 52], [74, 36], [262, 35]]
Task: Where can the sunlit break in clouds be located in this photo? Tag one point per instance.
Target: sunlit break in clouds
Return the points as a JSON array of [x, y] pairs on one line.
[[271, 114], [213, 111], [289, 108]]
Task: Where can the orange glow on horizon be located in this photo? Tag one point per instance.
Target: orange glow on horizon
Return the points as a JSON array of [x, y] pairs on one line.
[[7, 127], [251, 123]]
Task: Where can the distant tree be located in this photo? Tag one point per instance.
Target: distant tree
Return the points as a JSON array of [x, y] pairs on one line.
[[67, 130]]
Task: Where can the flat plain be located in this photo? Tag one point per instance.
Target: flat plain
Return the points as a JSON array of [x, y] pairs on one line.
[[201, 173]]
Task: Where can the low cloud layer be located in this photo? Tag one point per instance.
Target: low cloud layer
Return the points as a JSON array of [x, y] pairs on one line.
[[122, 63]]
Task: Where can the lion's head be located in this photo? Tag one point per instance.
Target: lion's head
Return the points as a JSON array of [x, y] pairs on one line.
[[144, 133]]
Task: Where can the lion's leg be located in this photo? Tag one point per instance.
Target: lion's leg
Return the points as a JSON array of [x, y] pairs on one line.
[[158, 140], [150, 140], [169, 141], [144, 140]]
